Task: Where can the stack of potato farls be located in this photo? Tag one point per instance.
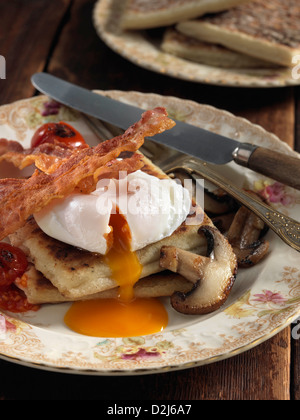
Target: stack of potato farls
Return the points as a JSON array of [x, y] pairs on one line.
[[223, 33]]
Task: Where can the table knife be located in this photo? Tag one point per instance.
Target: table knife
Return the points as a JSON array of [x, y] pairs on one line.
[[185, 138]]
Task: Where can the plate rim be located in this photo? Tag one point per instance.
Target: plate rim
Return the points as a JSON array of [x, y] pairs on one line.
[[145, 371]]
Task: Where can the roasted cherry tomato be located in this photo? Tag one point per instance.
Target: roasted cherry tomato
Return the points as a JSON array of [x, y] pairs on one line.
[[61, 132], [13, 264], [14, 300]]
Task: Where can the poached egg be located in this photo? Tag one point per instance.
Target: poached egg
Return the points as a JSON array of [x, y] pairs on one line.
[[117, 219]]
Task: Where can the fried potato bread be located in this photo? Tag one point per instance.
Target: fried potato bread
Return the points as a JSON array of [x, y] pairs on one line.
[[39, 290], [77, 273], [192, 49], [266, 30], [143, 14]]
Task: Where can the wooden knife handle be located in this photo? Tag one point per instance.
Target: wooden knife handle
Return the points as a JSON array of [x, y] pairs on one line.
[[278, 166]]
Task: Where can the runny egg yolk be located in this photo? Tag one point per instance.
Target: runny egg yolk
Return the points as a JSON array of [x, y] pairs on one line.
[[124, 264], [114, 318], [125, 316]]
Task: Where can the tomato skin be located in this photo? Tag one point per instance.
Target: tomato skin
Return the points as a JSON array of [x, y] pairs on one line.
[[13, 264], [13, 300], [58, 132]]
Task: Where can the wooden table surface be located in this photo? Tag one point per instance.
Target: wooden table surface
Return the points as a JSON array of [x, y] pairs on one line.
[[58, 37]]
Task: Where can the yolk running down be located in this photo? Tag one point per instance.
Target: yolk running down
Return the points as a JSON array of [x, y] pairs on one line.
[[124, 264], [125, 316]]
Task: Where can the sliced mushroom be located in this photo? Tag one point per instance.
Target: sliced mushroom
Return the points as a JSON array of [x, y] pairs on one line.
[[244, 235], [213, 276], [218, 202], [223, 222]]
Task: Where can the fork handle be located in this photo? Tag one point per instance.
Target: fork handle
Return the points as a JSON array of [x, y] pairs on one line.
[[285, 227], [278, 166]]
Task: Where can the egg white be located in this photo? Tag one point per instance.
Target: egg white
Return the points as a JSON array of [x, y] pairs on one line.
[[153, 208]]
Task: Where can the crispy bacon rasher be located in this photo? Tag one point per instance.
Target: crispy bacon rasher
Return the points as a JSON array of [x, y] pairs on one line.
[[60, 172], [45, 156]]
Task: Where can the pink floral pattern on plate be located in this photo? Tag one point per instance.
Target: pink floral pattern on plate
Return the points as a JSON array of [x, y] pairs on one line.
[[268, 296], [275, 193]]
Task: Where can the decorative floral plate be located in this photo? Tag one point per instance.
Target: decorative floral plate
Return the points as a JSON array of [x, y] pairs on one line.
[[139, 48], [264, 300]]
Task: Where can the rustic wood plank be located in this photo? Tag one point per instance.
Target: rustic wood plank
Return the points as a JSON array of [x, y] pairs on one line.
[[27, 32], [78, 57], [272, 109]]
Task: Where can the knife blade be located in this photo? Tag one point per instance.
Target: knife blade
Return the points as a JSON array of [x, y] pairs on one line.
[[185, 138]]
